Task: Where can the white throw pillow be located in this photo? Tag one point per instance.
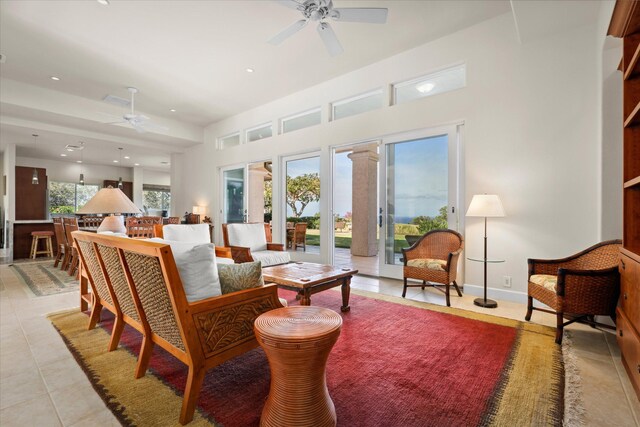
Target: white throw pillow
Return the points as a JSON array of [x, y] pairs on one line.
[[196, 233], [250, 236], [197, 268]]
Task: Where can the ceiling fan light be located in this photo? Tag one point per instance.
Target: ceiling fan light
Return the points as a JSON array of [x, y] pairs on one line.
[[34, 177], [425, 87]]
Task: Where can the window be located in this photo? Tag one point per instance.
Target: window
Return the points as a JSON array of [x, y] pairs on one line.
[[302, 120], [259, 132], [357, 104], [156, 199], [229, 141], [68, 197], [431, 84]]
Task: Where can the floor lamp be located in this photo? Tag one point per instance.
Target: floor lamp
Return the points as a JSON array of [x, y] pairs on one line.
[[485, 205]]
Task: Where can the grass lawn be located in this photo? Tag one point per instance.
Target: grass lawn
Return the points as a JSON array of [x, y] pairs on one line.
[[343, 240]]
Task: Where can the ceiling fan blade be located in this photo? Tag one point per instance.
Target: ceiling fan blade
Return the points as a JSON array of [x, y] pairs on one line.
[[122, 122], [138, 127], [149, 126], [330, 39], [291, 4], [288, 32], [360, 14]]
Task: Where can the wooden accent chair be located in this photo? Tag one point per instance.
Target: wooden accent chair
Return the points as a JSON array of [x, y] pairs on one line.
[[71, 225], [110, 289], [577, 287], [300, 236], [61, 243], [142, 226], [201, 334], [92, 221], [434, 259], [248, 242]]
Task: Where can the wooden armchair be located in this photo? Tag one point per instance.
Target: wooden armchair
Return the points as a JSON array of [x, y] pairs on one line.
[[300, 236], [204, 237], [202, 334], [578, 287], [71, 253], [434, 259], [61, 243], [142, 226], [248, 242]]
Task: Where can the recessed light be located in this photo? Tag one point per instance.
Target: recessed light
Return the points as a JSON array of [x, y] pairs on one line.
[[55, 78], [116, 161], [250, 70], [136, 164], [127, 157], [63, 155], [104, 2], [78, 161], [173, 110], [425, 87]]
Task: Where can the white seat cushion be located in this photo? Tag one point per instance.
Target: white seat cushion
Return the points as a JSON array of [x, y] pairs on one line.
[[197, 268], [547, 281], [250, 236], [268, 258], [196, 233], [428, 263], [222, 260]]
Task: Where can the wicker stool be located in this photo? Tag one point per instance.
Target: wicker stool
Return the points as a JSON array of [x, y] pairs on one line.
[[35, 239], [297, 341]]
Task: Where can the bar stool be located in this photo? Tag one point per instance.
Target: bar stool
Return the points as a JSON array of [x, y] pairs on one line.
[[35, 239]]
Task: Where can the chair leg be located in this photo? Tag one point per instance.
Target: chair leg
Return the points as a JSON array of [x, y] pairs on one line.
[[404, 290], [559, 328], [146, 350], [529, 309], [34, 246], [447, 293], [592, 319], [58, 257], [74, 264], [424, 282], [96, 309], [65, 260], [116, 333], [457, 288], [191, 392]]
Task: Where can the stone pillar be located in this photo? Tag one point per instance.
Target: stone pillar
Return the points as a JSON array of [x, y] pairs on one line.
[[256, 194], [138, 180], [364, 203]]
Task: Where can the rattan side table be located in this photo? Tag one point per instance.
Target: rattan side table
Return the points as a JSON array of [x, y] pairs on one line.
[[297, 341]]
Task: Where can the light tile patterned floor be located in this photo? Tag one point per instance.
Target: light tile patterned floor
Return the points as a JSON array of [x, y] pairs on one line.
[[42, 385]]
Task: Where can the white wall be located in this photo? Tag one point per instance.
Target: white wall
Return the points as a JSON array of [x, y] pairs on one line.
[[156, 177], [70, 172], [531, 136]]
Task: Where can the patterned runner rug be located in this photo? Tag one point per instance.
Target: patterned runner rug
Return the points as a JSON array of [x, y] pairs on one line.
[[41, 278], [396, 363]]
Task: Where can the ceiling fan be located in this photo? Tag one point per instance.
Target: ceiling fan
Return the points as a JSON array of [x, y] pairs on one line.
[[320, 10], [139, 122]]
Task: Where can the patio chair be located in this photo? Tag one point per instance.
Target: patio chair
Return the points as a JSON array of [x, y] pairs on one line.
[[300, 236], [577, 287], [434, 259], [248, 242]]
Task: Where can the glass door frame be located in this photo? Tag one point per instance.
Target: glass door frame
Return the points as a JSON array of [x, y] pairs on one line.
[[454, 216], [223, 190]]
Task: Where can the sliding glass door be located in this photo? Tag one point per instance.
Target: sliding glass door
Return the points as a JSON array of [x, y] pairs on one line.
[[234, 199]]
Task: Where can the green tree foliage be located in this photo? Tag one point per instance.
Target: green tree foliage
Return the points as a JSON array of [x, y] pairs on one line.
[[62, 194], [268, 196], [427, 223], [302, 190]]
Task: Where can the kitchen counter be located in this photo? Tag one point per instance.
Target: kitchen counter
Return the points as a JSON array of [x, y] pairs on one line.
[[22, 235]]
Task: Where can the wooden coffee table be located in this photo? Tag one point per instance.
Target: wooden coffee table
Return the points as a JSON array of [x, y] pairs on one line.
[[308, 278]]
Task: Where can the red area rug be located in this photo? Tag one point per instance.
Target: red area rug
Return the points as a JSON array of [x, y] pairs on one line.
[[396, 365]]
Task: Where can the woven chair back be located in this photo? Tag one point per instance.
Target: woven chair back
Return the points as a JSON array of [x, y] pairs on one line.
[[605, 256], [96, 278], [70, 225], [58, 229], [438, 244], [137, 220], [108, 255]]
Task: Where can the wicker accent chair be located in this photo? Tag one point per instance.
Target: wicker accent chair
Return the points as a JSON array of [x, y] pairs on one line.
[[71, 225], [101, 263], [61, 243], [577, 287], [249, 242], [434, 259], [201, 334]]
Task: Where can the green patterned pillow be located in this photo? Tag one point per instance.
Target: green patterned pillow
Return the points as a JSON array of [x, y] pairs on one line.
[[236, 277]]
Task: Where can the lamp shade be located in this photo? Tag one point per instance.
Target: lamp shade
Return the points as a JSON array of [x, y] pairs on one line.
[[485, 205], [109, 201], [198, 210]]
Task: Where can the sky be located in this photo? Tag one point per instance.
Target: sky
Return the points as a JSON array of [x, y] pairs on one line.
[[420, 172]]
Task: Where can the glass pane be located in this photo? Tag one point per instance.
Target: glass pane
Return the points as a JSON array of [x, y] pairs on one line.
[[357, 105], [303, 204], [432, 84], [152, 200], [311, 118], [259, 133], [260, 192], [85, 193], [233, 181], [229, 141], [417, 191], [62, 197]]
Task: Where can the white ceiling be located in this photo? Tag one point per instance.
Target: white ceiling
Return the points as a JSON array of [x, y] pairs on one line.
[[185, 55]]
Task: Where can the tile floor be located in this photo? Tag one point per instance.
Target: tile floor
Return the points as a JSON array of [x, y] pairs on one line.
[[42, 385]]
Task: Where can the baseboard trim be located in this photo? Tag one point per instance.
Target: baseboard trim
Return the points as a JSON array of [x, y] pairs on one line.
[[500, 294]]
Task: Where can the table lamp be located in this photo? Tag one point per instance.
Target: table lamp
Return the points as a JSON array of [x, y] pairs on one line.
[[485, 205], [110, 201]]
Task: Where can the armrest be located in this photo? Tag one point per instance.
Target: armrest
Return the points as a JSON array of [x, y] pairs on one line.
[[547, 266], [452, 260], [241, 254], [223, 252], [608, 277], [275, 247]]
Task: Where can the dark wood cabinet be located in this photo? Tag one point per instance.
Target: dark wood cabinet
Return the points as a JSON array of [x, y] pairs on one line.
[[127, 187], [625, 23], [31, 199]]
